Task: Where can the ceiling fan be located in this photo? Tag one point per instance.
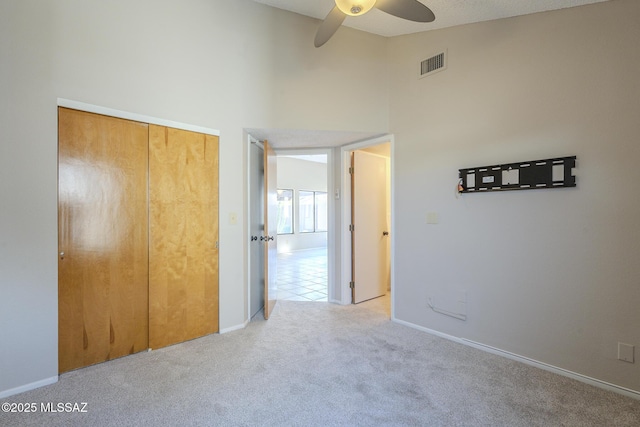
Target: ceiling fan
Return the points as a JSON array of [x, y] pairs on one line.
[[412, 10]]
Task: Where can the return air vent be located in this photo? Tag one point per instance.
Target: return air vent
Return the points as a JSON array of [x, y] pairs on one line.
[[432, 65]]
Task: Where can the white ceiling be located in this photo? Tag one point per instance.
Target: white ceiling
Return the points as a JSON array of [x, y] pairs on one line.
[[448, 13], [317, 158]]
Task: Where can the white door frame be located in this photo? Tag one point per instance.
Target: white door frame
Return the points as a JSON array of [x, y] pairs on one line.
[[345, 205], [246, 228], [339, 217]]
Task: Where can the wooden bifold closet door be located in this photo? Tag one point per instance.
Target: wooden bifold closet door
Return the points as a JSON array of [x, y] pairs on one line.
[[183, 253], [138, 232], [102, 237]]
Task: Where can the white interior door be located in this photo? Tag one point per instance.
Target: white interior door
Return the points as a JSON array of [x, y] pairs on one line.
[[370, 231], [270, 229], [256, 228]]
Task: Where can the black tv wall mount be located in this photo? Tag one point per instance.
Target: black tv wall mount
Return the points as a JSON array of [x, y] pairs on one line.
[[532, 175]]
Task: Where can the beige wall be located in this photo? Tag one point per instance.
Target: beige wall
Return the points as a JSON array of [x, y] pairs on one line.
[[220, 64], [552, 275]]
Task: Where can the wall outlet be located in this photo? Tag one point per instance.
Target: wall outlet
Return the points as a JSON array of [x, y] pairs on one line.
[[625, 352]]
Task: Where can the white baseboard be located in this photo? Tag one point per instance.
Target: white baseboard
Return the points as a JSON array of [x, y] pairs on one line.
[[526, 360], [234, 328], [27, 387]]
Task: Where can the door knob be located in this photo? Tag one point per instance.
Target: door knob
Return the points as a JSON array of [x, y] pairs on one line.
[[61, 255]]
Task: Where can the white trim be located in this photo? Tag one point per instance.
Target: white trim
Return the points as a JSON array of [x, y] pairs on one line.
[[246, 210], [257, 143], [345, 201], [528, 361], [392, 250], [234, 328], [28, 387], [76, 105]]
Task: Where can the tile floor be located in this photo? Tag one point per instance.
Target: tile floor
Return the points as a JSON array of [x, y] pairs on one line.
[[302, 275]]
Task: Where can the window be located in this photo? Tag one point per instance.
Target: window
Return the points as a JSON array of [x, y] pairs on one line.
[[285, 211], [312, 211], [306, 217]]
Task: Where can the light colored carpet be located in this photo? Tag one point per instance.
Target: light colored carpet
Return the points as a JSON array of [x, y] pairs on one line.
[[323, 364]]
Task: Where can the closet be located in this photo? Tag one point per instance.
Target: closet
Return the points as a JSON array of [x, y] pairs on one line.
[[138, 232]]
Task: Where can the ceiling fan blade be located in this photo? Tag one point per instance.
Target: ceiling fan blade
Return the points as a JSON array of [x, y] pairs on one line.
[[412, 10], [329, 26]]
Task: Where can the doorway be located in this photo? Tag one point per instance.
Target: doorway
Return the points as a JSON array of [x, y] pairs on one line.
[[317, 266], [370, 223], [339, 213], [302, 227], [381, 148]]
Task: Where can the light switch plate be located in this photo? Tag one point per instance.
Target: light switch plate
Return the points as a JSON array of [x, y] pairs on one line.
[[432, 217], [625, 352]]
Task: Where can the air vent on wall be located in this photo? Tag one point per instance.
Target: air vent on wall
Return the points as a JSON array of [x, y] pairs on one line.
[[432, 65]]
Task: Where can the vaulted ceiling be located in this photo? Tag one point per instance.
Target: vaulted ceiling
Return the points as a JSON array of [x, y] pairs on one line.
[[448, 13]]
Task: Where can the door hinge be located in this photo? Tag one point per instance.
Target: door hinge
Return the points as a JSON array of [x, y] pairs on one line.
[[216, 244], [352, 227], [352, 285], [351, 170]]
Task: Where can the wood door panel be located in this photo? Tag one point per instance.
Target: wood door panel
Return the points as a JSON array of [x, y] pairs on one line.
[[211, 215], [183, 274], [103, 229]]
